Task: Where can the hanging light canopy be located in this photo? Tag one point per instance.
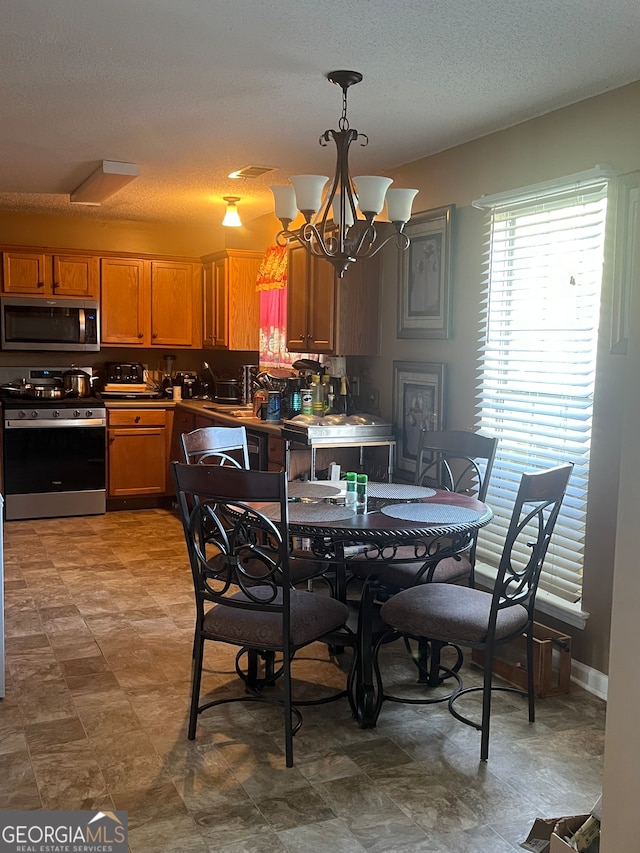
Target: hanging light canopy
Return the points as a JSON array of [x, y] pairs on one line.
[[232, 217], [332, 228]]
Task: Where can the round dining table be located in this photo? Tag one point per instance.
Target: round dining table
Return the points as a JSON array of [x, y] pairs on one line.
[[397, 522]]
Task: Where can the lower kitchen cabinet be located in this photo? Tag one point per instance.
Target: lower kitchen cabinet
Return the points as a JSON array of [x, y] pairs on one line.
[[138, 452]]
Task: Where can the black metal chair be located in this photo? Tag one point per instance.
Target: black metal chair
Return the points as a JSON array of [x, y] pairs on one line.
[[456, 461], [239, 559], [463, 616], [216, 446]]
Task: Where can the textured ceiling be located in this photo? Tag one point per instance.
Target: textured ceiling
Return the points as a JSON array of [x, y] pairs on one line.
[[192, 90]]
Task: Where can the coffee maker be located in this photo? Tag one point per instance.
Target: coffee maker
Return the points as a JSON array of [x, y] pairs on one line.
[[190, 385]]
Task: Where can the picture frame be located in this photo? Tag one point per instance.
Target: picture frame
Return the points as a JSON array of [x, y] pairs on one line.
[[418, 402], [424, 276]]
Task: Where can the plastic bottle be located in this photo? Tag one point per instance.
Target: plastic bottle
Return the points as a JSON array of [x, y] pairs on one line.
[[318, 399], [351, 496], [361, 490], [326, 389]]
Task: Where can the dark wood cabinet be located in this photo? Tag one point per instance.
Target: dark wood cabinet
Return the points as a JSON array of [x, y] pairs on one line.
[[329, 315]]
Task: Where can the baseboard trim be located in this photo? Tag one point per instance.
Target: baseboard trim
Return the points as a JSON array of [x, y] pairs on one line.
[[590, 679]]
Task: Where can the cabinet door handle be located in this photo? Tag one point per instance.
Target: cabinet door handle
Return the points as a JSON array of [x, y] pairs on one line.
[[137, 419], [41, 284], [56, 285], [154, 336], [140, 335], [302, 337]]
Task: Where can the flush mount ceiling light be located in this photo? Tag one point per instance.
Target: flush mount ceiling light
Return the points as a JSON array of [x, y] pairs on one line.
[[332, 229], [110, 177], [231, 217]]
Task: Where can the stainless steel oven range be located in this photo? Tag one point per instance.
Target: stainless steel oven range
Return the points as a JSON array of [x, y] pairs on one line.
[[53, 450]]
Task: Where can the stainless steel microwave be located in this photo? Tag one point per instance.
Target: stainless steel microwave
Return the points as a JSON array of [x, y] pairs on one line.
[[39, 323]]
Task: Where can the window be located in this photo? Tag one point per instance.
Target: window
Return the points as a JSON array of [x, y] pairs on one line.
[[538, 357]]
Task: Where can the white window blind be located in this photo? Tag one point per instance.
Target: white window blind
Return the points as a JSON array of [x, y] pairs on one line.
[[538, 343]]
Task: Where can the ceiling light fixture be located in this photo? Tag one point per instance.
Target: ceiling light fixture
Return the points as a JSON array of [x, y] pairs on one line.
[[231, 217], [110, 177], [332, 229]]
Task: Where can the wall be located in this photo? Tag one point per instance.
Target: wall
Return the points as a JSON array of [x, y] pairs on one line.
[[602, 130]]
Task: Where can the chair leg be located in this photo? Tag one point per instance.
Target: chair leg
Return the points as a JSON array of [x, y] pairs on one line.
[[531, 694], [423, 656], [288, 722], [198, 650], [486, 705]]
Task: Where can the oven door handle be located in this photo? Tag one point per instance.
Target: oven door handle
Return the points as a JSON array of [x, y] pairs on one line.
[[49, 423]]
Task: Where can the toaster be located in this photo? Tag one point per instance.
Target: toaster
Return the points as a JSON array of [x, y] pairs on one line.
[[124, 372]]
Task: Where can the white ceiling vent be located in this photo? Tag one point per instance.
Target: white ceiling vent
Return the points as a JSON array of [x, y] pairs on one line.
[[251, 171]]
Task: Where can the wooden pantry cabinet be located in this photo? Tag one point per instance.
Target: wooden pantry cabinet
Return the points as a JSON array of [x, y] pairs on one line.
[[138, 451], [326, 314], [231, 301], [150, 303], [37, 273]]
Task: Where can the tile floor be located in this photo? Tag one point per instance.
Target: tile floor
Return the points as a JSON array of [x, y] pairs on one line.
[[99, 631]]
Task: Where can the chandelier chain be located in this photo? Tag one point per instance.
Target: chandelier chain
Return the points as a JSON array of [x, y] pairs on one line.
[[343, 123]]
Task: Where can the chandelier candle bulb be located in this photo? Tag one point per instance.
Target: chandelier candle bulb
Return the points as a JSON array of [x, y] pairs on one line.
[[308, 192], [371, 193], [399, 203]]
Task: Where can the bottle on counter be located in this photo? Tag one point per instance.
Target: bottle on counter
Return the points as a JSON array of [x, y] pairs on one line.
[[343, 398], [307, 401], [318, 405]]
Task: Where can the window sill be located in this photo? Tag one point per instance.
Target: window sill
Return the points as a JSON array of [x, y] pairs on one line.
[[546, 602]]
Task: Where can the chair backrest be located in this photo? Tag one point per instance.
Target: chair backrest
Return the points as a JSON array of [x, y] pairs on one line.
[[533, 519], [234, 546], [455, 460], [216, 446]]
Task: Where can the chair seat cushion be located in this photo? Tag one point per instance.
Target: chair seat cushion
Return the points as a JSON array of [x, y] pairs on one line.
[[312, 616], [403, 575], [449, 613]]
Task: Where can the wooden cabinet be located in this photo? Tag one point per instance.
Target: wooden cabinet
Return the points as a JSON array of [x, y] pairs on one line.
[[138, 450], [183, 421], [124, 302], [276, 456], [329, 315], [33, 273], [150, 303], [231, 301]]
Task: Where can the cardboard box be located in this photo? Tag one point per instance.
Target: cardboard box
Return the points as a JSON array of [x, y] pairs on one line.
[[551, 661], [547, 834]]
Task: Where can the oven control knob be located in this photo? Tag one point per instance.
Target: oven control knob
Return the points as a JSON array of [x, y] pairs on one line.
[[76, 413], [56, 413], [34, 414], [22, 414], [88, 413]]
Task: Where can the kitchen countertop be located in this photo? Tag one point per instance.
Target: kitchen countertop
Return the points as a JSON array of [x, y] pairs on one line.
[[220, 412]]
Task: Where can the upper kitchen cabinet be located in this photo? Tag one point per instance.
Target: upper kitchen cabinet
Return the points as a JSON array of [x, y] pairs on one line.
[[329, 315], [150, 303], [231, 301], [33, 273], [175, 305], [124, 302]]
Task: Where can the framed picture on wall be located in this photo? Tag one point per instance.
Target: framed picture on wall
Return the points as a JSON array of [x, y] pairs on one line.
[[424, 276], [418, 403]]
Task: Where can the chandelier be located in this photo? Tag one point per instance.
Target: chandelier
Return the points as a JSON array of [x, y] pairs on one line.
[[339, 223]]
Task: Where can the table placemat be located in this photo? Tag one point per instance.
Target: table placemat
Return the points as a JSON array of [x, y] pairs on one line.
[[431, 513], [399, 491], [312, 489], [301, 513]]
